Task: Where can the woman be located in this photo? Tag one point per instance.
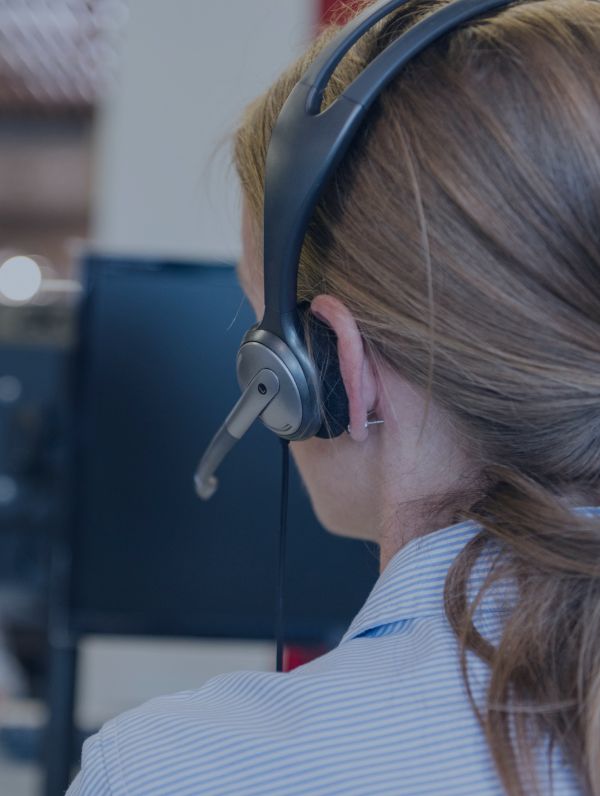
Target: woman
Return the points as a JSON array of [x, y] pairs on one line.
[[455, 257]]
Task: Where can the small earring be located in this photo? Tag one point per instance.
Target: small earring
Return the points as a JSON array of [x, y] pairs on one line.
[[368, 423]]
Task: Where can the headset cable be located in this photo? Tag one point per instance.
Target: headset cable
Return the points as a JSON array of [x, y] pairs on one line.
[[285, 477]]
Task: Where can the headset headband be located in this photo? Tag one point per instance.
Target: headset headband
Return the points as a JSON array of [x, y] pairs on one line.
[[307, 143]]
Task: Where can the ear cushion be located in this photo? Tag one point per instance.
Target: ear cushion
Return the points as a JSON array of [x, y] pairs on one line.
[[321, 343]]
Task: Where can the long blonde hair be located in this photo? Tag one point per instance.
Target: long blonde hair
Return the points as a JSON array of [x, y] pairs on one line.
[[462, 233]]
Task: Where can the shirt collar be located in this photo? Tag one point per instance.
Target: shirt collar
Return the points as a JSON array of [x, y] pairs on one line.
[[412, 584]]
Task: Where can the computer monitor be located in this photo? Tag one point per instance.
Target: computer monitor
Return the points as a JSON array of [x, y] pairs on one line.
[[155, 377]]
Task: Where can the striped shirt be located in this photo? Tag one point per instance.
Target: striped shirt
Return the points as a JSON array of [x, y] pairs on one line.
[[385, 712]]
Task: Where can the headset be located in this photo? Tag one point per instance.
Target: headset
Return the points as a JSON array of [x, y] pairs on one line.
[[287, 364]]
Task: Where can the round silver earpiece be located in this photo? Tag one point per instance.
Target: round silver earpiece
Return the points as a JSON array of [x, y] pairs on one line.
[[290, 414]]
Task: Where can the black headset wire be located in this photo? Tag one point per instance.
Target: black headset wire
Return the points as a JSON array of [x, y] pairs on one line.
[[285, 480]]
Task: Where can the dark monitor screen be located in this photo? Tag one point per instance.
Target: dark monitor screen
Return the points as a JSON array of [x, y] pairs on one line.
[[156, 377]]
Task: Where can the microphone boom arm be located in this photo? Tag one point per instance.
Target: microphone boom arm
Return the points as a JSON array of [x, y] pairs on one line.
[[253, 401]]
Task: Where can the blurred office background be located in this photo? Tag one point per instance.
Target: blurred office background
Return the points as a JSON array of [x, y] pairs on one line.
[[114, 120]]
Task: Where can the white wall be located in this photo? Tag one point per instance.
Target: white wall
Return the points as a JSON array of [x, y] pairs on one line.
[[187, 69]]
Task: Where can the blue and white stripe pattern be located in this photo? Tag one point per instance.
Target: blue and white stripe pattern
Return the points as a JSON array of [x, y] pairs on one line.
[[385, 712]]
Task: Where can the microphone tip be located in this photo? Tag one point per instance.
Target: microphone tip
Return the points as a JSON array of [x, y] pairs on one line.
[[205, 489]]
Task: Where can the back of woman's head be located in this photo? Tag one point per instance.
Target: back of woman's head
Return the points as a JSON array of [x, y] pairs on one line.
[[462, 233]]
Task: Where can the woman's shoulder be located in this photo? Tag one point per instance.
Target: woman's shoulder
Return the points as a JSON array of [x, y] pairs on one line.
[[375, 711]]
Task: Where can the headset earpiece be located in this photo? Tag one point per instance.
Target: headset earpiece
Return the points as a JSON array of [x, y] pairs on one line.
[[321, 343]]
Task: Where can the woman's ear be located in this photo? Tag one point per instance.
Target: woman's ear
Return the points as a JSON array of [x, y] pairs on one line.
[[355, 368]]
